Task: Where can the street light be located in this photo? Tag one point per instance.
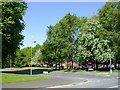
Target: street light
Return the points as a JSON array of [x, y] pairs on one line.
[[31, 58], [110, 64], [10, 62]]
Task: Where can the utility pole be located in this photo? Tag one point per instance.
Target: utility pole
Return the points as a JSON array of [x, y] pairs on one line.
[[10, 62], [110, 64], [31, 61], [31, 58]]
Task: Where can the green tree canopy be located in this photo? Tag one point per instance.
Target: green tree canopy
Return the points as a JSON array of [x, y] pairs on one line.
[[62, 38], [109, 17], [91, 47], [12, 26]]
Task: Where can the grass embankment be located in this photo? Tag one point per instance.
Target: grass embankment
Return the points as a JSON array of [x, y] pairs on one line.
[[13, 78]]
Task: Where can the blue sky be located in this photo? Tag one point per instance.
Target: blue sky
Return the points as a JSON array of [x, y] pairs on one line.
[[39, 15]]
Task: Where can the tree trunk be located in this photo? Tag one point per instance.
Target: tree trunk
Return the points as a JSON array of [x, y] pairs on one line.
[[67, 64], [96, 65], [115, 65], [116, 61], [107, 64], [48, 62], [104, 66], [79, 64], [12, 59], [59, 65], [56, 65], [72, 64]]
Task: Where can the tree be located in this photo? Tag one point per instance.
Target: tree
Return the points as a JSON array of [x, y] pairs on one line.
[[109, 17], [62, 39], [36, 59], [68, 31], [91, 47], [22, 57], [12, 26], [35, 49], [46, 53]]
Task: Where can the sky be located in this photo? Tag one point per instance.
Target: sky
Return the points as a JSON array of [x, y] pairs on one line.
[[40, 15]]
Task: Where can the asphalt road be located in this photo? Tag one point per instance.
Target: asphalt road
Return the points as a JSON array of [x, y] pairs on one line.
[[71, 80], [95, 80], [53, 81]]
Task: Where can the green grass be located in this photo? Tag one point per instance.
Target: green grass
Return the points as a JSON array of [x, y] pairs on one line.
[[13, 78], [71, 70], [25, 68], [85, 70], [41, 69]]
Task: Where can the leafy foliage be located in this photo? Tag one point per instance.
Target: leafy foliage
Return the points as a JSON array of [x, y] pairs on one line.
[[91, 47], [109, 17], [62, 40], [12, 26], [72, 39], [23, 56]]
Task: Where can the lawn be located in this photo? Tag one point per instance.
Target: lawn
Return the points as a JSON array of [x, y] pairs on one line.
[[13, 78], [41, 69], [24, 68], [85, 70]]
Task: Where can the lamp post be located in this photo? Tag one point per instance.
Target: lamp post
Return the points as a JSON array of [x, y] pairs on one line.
[[110, 64], [31, 58], [10, 62]]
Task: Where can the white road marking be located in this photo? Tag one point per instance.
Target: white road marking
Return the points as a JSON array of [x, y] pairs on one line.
[[108, 75], [69, 85], [102, 73], [60, 86], [114, 86]]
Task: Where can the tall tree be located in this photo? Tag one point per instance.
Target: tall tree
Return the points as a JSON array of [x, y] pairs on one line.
[[91, 47], [12, 26], [109, 17], [46, 53], [70, 25], [63, 37]]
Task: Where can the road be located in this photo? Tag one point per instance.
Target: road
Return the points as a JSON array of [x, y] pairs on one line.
[[71, 80], [94, 80]]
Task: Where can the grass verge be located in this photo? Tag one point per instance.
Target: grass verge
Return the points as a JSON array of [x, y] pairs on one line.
[[85, 70], [14, 78], [24, 68], [41, 69]]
